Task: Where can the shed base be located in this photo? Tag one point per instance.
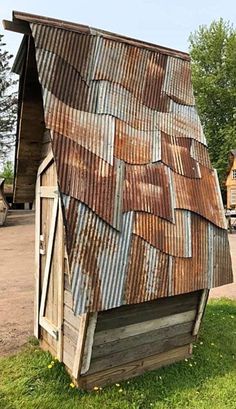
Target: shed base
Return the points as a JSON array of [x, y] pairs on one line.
[[133, 369]]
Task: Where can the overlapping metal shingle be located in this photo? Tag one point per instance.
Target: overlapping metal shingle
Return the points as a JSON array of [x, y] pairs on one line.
[[142, 205]]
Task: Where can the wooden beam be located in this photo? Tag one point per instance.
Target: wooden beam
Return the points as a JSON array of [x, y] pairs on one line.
[[46, 162], [49, 257], [37, 257], [89, 343], [80, 345], [17, 27], [60, 272], [49, 327], [200, 313], [48, 191]]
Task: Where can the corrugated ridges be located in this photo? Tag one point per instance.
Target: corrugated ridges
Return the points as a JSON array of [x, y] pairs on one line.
[[175, 152], [178, 83], [94, 132], [143, 212], [147, 276], [171, 238], [147, 189], [85, 176], [194, 194], [111, 268], [200, 153], [134, 146]]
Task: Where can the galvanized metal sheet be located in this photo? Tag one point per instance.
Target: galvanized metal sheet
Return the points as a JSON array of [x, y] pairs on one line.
[[115, 100], [177, 83], [199, 152], [193, 194], [175, 153], [171, 238], [136, 147], [94, 132], [143, 211], [147, 189], [147, 274], [75, 49], [183, 121], [85, 176]]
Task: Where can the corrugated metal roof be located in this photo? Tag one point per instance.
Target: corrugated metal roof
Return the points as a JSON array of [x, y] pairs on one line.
[[194, 194], [143, 212]]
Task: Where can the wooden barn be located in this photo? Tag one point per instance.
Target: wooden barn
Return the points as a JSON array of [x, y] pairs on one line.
[[130, 228], [3, 203]]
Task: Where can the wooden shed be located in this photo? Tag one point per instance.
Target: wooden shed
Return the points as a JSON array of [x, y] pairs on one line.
[[3, 203], [130, 228]]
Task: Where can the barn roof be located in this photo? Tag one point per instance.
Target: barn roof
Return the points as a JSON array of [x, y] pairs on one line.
[[142, 204]]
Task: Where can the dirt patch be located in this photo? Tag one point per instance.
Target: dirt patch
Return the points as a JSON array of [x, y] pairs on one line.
[[16, 280]]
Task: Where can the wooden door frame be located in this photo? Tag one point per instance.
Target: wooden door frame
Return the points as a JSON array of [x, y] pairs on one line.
[[56, 225]]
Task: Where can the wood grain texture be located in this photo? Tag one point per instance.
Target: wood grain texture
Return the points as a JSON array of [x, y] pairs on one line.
[[132, 369], [137, 313], [159, 335], [135, 352], [147, 326], [78, 357]]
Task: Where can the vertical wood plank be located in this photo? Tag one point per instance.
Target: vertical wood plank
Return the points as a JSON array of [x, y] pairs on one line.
[[49, 256], [37, 256], [87, 354], [201, 309], [80, 345], [60, 261]]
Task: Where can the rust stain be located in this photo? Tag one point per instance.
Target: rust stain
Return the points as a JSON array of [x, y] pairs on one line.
[[142, 206]]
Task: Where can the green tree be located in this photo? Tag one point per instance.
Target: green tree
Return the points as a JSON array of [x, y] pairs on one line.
[[213, 54], [8, 103], [8, 172]]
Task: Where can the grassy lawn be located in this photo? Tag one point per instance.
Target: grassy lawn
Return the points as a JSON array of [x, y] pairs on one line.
[[208, 380]]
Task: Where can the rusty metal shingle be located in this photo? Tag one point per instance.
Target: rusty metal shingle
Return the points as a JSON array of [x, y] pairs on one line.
[[142, 205]]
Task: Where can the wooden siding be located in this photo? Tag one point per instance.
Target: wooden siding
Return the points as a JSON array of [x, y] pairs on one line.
[[132, 339]]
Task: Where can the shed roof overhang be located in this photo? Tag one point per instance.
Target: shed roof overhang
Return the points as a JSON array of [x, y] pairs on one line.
[[30, 123]]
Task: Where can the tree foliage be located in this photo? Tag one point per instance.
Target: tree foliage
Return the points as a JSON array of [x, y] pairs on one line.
[[8, 172], [8, 103], [213, 55]]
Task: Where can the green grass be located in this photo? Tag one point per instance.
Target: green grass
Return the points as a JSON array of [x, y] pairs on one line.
[[208, 380]]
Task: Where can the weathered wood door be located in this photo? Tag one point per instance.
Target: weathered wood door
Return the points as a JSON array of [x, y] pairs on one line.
[[49, 259]]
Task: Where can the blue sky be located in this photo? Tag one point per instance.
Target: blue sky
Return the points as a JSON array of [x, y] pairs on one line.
[[163, 22]]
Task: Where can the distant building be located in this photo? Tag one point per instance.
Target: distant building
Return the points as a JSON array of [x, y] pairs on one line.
[[231, 181]]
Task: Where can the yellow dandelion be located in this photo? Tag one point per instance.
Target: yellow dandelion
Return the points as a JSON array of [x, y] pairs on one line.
[[72, 385], [49, 366], [96, 388]]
